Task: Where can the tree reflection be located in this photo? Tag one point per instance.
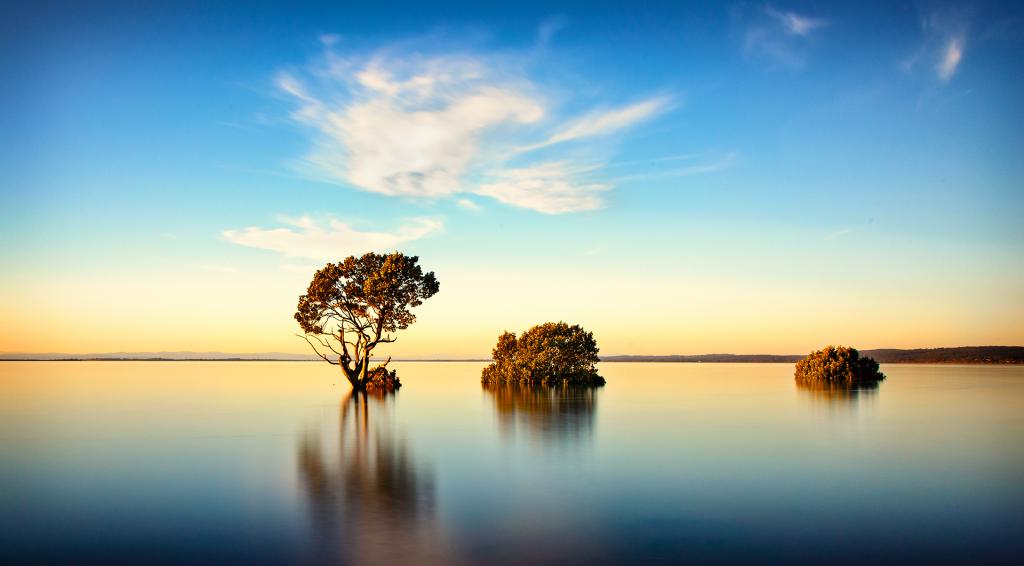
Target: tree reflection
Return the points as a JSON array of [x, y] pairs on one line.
[[837, 392], [369, 502], [837, 405], [555, 412]]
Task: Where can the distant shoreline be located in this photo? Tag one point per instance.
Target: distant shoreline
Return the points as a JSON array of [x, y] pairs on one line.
[[951, 363], [979, 355]]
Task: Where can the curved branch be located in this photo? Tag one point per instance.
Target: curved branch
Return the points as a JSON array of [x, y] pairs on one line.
[[317, 352], [327, 345]]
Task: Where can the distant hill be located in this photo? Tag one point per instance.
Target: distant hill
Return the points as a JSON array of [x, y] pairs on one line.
[[960, 355], [707, 358]]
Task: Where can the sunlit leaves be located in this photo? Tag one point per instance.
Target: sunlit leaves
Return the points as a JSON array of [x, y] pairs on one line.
[[554, 352], [354, 305], [837, 366]]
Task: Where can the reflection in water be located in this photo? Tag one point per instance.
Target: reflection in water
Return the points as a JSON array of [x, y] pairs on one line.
[[143, 462], [559, 412], [369, 502], [837, 404], [838, 393]]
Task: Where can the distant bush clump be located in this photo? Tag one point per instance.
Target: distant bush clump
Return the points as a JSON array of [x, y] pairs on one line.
[[837, 366], [547, 354]]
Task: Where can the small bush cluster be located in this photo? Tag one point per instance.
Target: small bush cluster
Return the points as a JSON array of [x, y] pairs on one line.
[[549, 353], [380, 379], [837, 366]]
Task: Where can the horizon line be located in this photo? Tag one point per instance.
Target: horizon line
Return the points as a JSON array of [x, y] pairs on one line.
[[189, 355]]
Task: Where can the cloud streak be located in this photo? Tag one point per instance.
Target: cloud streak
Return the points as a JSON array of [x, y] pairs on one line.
[[609, 121], [708, 164], [793, 23], [433, 126], [944, 44], [550, 188], [306, 238], [951, 57], [780, 38], [840, 233], [468, 204]]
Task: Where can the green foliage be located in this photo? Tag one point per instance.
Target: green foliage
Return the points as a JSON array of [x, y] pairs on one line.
[[837, 366], [548, 353], [353, 306]]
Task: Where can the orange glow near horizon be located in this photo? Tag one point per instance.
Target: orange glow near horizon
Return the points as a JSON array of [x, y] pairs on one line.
[[216, 312]]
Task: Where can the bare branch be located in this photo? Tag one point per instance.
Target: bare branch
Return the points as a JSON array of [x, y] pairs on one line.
[[317, 352], [327, 345]]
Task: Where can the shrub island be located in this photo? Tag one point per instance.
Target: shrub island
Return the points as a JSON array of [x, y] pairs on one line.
[[547, 354], [837, 367]]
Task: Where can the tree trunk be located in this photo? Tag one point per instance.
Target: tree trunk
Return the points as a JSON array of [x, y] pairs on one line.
[[352, 375], [366, 368]]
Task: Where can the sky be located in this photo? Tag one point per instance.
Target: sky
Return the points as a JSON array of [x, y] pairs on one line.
[[677, 177]]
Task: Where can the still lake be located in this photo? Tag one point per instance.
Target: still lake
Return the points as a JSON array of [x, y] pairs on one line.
[[258, 462]]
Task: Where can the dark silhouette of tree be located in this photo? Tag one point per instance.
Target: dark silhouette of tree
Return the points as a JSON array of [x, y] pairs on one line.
[[548, 353], [355, 305], [836, 367]]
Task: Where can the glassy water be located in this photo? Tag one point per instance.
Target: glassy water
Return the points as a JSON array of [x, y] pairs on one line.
[[262, 462]]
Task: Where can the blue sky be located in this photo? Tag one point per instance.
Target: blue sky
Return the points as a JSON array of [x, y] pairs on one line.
[[731, 177]]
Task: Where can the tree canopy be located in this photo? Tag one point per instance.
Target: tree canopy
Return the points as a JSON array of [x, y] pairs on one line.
[[837, 366], [549, 353], [355, 305]]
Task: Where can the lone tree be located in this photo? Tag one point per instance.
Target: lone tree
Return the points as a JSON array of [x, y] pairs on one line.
[[837, 366], [355, 305], [548, 353]]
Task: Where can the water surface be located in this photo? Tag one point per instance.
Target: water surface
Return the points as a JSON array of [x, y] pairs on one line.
[[168, 462]]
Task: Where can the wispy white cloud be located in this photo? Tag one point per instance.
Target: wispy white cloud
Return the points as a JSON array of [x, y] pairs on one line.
[[548, 28], [779, 37], [709, 163], [836, 234], [793, 23], [415, 135], [605, 122], [951, 57], [551, 188], [430, 126], [468, 204], [721, 163], [304, 237], [943, 45]]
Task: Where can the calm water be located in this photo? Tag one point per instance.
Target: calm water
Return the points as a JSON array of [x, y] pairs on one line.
[[267, 462]]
